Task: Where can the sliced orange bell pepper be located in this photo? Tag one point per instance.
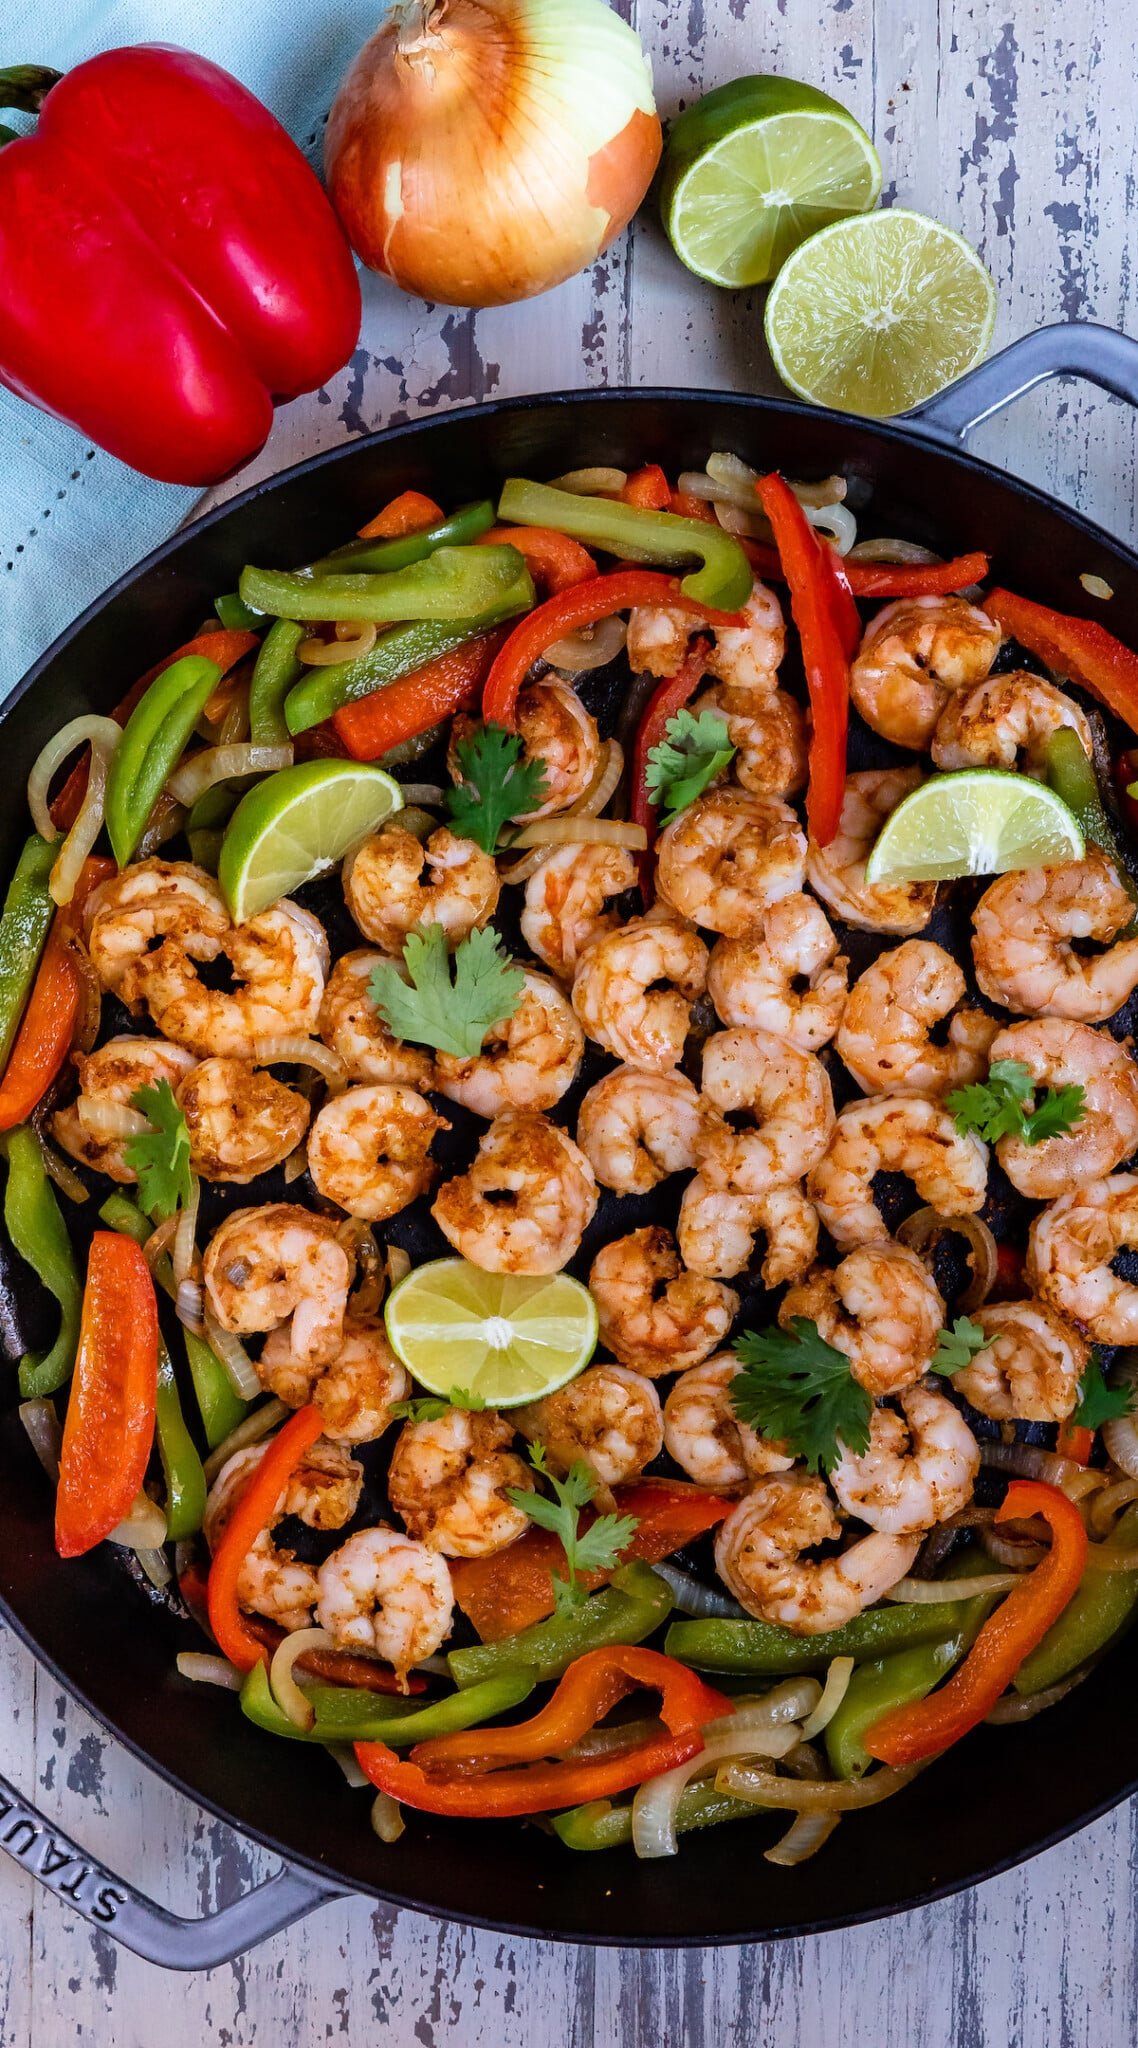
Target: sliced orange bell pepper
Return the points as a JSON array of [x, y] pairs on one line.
[[1080, 650], [252, 1514], [109, 1425], [1075, 1441], [410, 512], [47, 1027], [882, 579], [534, 1788], [554, 560], [401, 710], [648, 487], [685, 506]]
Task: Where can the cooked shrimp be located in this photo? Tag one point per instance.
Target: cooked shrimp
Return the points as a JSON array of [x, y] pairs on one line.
[[392, 885], [565, 901], [279, 960], [152, 899], [555, 729], [726, 858], [1006, 722], [785, 976], [767, 728], [716, 1229], [837, 872], [369, 1149], [1058, 1054], [98, 1126], [524, 1203], [746, 656], [264, 1265], [1025, 928], [1029, 1371], [919, 1469], [880, 1307], [352, 1027], [355, 1391], [608, 1416], [241, 1121], [759, 1556], [323, 1492], [654, 1316], [527, 1062], [705, 1436], [618, 996], [450, 1479], [785, 1092], [383, 1595], [914, 655], [884, 1037], [907, 1134], [635, 1128], [1070, 1250]]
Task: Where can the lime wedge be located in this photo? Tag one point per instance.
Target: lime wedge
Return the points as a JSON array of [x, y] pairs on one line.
[[507, 1337], [982, 821], [753, 168], [875, 314], [295, 824]]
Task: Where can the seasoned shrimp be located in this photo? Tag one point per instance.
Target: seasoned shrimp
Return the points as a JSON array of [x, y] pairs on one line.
[[565, 902], [884, 1037], [351, 1026], [919, 1469], [716, 1229], [450, 1479], [705, 1436], [914, 655], [767, 728], [1030, 1368], [635, 1128], [524, 1203], [555, 729], [323, 1492], [1006, 722], [880, 1307], [355, 1391], [1024, 931], [786, 975], [654, 1316], [786, 1093], [279, 960], [98, 1126], [1070, 1250], [369, 1149], [383, 1595], [618, 996], [527, 1062], [1057, 1054], [907, 1134], [152, 899], [746, 656], [759, 1556], [264, 1265], [608, 1416], [392, 885], [241, 1122], [837, 872], [726, 858]]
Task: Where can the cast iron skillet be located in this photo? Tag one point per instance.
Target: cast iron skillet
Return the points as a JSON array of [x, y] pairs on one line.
[[996, 1800]]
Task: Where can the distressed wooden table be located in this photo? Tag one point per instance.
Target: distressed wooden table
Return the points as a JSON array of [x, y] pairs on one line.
[[1021, 133]]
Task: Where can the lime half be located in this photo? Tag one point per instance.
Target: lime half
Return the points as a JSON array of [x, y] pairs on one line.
[[875, 314], [979, 822], [755, 167], [507, 1337], [295, 824]]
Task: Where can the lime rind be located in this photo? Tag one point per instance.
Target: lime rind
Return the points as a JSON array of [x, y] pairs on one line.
[[297, 823], [506, 1337], [978, 821]]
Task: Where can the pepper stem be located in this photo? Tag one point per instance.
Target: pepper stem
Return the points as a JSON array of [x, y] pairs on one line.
[[26, 87]]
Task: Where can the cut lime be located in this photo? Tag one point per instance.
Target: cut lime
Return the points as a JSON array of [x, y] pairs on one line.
[[875, 314], [507, 1337], [979, 822], [755, 167], [295, 824]]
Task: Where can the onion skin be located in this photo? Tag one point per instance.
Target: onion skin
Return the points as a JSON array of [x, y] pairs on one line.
[[468, 158]]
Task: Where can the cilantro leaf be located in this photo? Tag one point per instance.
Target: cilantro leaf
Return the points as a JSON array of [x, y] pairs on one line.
[[595, 1549], [1000, 1107], [497, 784], [680, 766], [798, 1390], [1099, 1403], [957, 1347], [161, 1157], [453, 1016], [429, 1407]]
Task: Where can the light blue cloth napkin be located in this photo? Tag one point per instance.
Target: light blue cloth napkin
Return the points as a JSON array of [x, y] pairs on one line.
[[72, 519]]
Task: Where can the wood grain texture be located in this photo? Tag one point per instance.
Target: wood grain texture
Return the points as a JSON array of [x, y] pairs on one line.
[[1021, 132]]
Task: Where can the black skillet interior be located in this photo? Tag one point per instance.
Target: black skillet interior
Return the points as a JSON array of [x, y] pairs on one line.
[[989, 1804]]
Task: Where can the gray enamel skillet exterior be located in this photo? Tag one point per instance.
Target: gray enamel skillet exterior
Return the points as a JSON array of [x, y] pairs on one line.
[[999, 1799]]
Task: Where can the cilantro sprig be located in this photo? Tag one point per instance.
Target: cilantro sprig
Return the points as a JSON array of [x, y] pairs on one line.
[[693, 752], [595, 1549], [497, 784], [957, 1347], [1099, 1403], [429, 1407], [161, 1157], [1005, 1106], [432, 1009], [798, 1390]]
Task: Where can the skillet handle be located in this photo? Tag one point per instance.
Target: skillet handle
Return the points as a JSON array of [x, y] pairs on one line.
[[112, 1904], [1078, 348]]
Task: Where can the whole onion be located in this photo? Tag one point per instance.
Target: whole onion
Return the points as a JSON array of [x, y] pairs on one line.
[[481, 151]]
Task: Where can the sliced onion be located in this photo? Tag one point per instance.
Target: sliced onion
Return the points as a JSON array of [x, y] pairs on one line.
[[234, 725], [189, 1304], [88, 729], [655, 1803], [57, 1169], [807, 1833], [184, 1246], [735, 479], [750, 525], [109, 1120], [926, 1226], [86, 1028], [165, 822], [430, 795], [933, 1591], [590, 483], [833, 1693], [250, 1430], [1112, 1557], [611, 1741], [762, 1788], [283, 1686], [1015, 1553], [1029, 1461], [836, 520], [205, 1669], [234, 1357], [296, 1163], [210, 765], [578, 831], [343, 1754], [301, 1052], [143, 1528], [1107, 1505], [371, 1283], [329, 653], [693, 1597], [890, 549], [610, 768], [1120, 1434], [1096, 586], [1025, 1706], [387, 1817], [590, 647], [158, 1243], [398, 1264], [44, 1433], [156, 1566], [89, 822]]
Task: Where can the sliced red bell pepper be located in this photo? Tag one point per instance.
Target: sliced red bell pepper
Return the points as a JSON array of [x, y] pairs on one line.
[[685, 506], [109, 1425], [669, 696], [410, 512], [252, 1514], [1075, 1441], [554, 560], [823, 610], [400, 710], [1079, 650], [648, 487], [883, 579], [48, 1025], [909, 1734], [534, 1788], [1125, 776]]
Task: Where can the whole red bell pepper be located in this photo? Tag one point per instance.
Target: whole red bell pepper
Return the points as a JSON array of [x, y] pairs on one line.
[[171, 265]]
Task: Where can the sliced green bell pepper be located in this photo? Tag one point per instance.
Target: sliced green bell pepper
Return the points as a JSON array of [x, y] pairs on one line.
[[235, 614], [601, 1825], [877, 1687], [208, 817], [458, 530], [1102, 1605], [24, 926], [723, 580], [759, 1649], [35, 1224], [398, 653], [453, 583], [635, 1604], [185, 1480], [153, 741], [275, 673], [348, 1714], [1071, 774], [258, 1704]]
